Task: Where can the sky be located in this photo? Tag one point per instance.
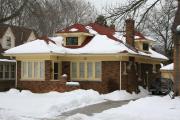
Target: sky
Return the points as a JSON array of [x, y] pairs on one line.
[[101, 4]]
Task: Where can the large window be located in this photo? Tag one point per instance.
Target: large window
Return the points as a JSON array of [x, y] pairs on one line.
[[7, 71], [145, 46], [34, 70], [71, 40], [86, 70]]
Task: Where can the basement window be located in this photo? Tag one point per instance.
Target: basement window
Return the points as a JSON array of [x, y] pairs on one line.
[[71, 40], [146, 46]]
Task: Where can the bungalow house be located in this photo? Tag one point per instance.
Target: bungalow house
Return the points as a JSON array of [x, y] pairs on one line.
[[167, 71], [11, 36], [96, 56]]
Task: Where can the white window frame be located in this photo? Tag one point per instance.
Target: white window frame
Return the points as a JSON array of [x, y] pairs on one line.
[[24, 74], [93, 78]]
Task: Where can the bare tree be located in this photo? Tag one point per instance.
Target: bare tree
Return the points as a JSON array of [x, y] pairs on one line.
[[158, 24]]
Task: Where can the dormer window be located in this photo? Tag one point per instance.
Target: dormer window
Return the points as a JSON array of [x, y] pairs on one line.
[[145, 46], [71, 40]]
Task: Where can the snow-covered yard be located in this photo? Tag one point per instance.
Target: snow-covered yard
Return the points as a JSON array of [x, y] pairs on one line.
[[148, 108], [16, 105]]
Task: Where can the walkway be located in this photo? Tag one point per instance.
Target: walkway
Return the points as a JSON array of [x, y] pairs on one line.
[[91, 109]]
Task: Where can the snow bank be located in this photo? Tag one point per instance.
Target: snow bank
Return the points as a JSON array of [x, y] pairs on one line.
[[28, 104], [25, 104], [149, 108], [124, 95]]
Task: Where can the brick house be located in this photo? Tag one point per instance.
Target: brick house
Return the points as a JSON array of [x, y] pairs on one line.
[[96, 56], [11, 36]]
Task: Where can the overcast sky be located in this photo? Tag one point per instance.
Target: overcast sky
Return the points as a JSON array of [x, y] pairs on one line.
[[101, 4]]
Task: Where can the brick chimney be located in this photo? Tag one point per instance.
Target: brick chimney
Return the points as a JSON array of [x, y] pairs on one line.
[[130, 31]]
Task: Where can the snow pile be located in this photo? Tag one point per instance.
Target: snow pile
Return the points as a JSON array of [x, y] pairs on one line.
[[124, 95], [7, 60], [149, 108], [28, 104], [168, 67]]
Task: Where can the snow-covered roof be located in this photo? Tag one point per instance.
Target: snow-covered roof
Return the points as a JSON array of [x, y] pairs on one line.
[[102, 42], [168, 67], [7, 60]]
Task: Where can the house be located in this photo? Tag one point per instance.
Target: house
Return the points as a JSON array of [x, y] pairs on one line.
[[96, 56], [11, 36], [167, 71]]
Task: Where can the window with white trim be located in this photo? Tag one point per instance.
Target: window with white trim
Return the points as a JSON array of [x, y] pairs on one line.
[[57, 70], [34, 70], [7, 71], [90, 70]]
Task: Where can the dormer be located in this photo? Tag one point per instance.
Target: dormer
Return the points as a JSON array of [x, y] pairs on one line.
[[143, 43], [74, 36]]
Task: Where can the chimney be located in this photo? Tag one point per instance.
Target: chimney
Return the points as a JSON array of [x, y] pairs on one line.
[[130, 32]]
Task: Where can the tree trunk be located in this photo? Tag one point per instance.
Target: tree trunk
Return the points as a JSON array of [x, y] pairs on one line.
[[176, 39]]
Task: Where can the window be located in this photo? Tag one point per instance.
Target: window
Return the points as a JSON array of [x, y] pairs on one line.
[[1, 71], [74, 70], [8, 41], [7, 71], [13, 70], [89, 70], [81, 70], [32, 70], [86, 70], [97, 69], [71, 40], [145, 46], [56, 71]]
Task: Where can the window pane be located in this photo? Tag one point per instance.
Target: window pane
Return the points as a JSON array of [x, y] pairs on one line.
[[72, 41], [13, 70], [35, 69], [1, 71], [89, 70], [97, 69], [24, 69], [7, 71], [145, 46], [29, 69], [81, 70], [74, 70], [41, 69]]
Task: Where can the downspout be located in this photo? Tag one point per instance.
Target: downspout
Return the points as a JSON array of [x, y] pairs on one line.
[[16, 76], [120, 78]]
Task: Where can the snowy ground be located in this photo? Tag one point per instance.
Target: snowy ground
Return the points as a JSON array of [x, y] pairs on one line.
[[149, 108], [25, 105]]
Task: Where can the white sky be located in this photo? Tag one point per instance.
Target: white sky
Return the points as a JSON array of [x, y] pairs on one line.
[[101, 4]]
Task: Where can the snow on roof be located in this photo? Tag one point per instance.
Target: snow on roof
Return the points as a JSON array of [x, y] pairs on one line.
[[104, 41], [168, 67], [36, 46], [73, 29], [7, 60]]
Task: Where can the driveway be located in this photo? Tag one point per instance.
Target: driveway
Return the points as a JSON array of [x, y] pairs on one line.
[[91, 109]]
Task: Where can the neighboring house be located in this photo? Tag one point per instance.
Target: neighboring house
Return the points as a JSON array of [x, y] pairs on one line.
[[167, 71], [96, 56], [11, 36]]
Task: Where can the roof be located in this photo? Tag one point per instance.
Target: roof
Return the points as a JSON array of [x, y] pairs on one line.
[[7, 60], [21, 33], [103, 40], [73, 28], [168, 67]]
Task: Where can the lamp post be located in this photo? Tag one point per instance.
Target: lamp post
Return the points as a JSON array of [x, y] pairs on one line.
[[177, 61]]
